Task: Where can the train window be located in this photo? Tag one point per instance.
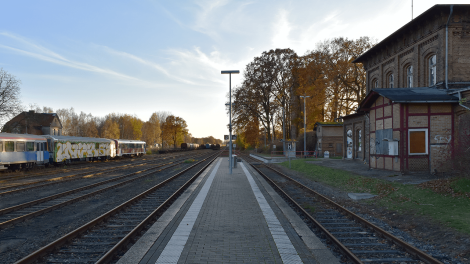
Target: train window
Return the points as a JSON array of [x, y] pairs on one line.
[[1, 146], [9, 146], [29, 146], [19, 146]]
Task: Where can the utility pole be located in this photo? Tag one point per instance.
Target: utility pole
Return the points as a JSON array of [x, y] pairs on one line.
[[230, 110], [305, 126]]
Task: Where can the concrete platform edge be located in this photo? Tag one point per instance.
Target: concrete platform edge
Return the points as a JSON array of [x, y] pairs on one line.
[[137, 252], [319, 251]]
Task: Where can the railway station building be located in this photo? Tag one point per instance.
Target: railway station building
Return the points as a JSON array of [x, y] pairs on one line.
[[34, 123], [416, 114]]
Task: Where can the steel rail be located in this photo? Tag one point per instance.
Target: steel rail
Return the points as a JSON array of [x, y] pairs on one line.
[[31, 258], [382, 233], [59, 170], [71, 177], [91, 168], [76, 199], [319, 226], [108, 257], [54, 196]]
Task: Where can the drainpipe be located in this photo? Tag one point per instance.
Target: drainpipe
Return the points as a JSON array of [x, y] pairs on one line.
[[447, 44]]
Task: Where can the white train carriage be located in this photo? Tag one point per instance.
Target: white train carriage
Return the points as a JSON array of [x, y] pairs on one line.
[[22, 151], [65, 149], [128, 147]]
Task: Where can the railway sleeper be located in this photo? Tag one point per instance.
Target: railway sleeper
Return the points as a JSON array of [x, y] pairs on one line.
[[351, 233]]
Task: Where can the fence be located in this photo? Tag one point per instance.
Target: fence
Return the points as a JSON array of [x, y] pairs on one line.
[[298, 154]]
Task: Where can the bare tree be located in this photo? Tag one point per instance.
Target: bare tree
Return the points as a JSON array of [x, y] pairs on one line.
[[10, 104]]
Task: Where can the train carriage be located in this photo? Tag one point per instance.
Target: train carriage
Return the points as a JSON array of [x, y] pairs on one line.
[[189, 146], [128, 147], [22, 151], [65, 149]]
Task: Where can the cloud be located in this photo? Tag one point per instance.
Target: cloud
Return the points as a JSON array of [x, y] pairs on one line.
[[202, 66], [42, 53], [148, 63], [282, 29]]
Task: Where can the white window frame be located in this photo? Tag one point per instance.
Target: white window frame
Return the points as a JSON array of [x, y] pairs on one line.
[[409, 76], [426, 141], [432, 70]]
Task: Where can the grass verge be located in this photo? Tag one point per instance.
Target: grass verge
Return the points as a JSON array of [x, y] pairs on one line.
[[452, 211]]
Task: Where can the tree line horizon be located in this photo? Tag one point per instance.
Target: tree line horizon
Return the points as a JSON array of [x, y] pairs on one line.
[[273, 83]]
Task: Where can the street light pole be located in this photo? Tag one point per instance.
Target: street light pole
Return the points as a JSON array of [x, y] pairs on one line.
[[284, 131], [265, 137], [305, 124], [230, 114]]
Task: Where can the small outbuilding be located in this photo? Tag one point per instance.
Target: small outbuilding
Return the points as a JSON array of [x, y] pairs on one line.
[[329, 137], [35, 124]]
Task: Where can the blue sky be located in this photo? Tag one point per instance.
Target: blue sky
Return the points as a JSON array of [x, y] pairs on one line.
[[138, 57]]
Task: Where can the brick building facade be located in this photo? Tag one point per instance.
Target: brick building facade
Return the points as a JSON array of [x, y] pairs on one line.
[[416, 127], [329, 137]]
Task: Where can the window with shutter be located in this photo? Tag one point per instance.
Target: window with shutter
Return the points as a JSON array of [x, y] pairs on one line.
[[418, 141]]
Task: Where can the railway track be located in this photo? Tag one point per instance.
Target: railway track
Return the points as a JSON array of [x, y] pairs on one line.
[[21, 212], [32, 173], [102, 239], [60, 179], [6, 178], [355, 238]]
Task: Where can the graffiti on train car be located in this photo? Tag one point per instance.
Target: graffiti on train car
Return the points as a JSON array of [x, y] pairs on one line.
[[76, 150]]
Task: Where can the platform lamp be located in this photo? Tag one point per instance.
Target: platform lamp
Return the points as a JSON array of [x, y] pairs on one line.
[[230, 113], [305, 124]]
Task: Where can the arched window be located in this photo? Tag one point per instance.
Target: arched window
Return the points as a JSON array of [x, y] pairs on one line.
[[432, 70], [409, 76], [375, 83], [390, 80]]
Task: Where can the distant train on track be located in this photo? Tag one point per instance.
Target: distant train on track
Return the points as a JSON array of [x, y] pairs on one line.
[[189, 146], [25, 151]]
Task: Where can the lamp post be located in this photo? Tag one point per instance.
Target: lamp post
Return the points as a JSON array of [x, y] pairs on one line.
[[265, 137], [305, 124], [230, 111], [283, 131]]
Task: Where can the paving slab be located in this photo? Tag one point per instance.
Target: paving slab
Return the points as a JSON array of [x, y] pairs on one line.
[[227, 218]]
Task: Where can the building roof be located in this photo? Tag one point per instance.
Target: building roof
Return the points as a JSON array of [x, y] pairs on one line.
[[6, 136], [33, 121], [436, 9], [346, 117], [78, 139], [410, 95], [329, 123]]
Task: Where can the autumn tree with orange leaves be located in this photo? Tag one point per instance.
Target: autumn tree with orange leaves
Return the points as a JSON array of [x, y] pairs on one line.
[[275, 80], [174, 129]]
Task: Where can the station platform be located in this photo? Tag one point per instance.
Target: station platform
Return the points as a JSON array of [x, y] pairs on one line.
[[223, 218]]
